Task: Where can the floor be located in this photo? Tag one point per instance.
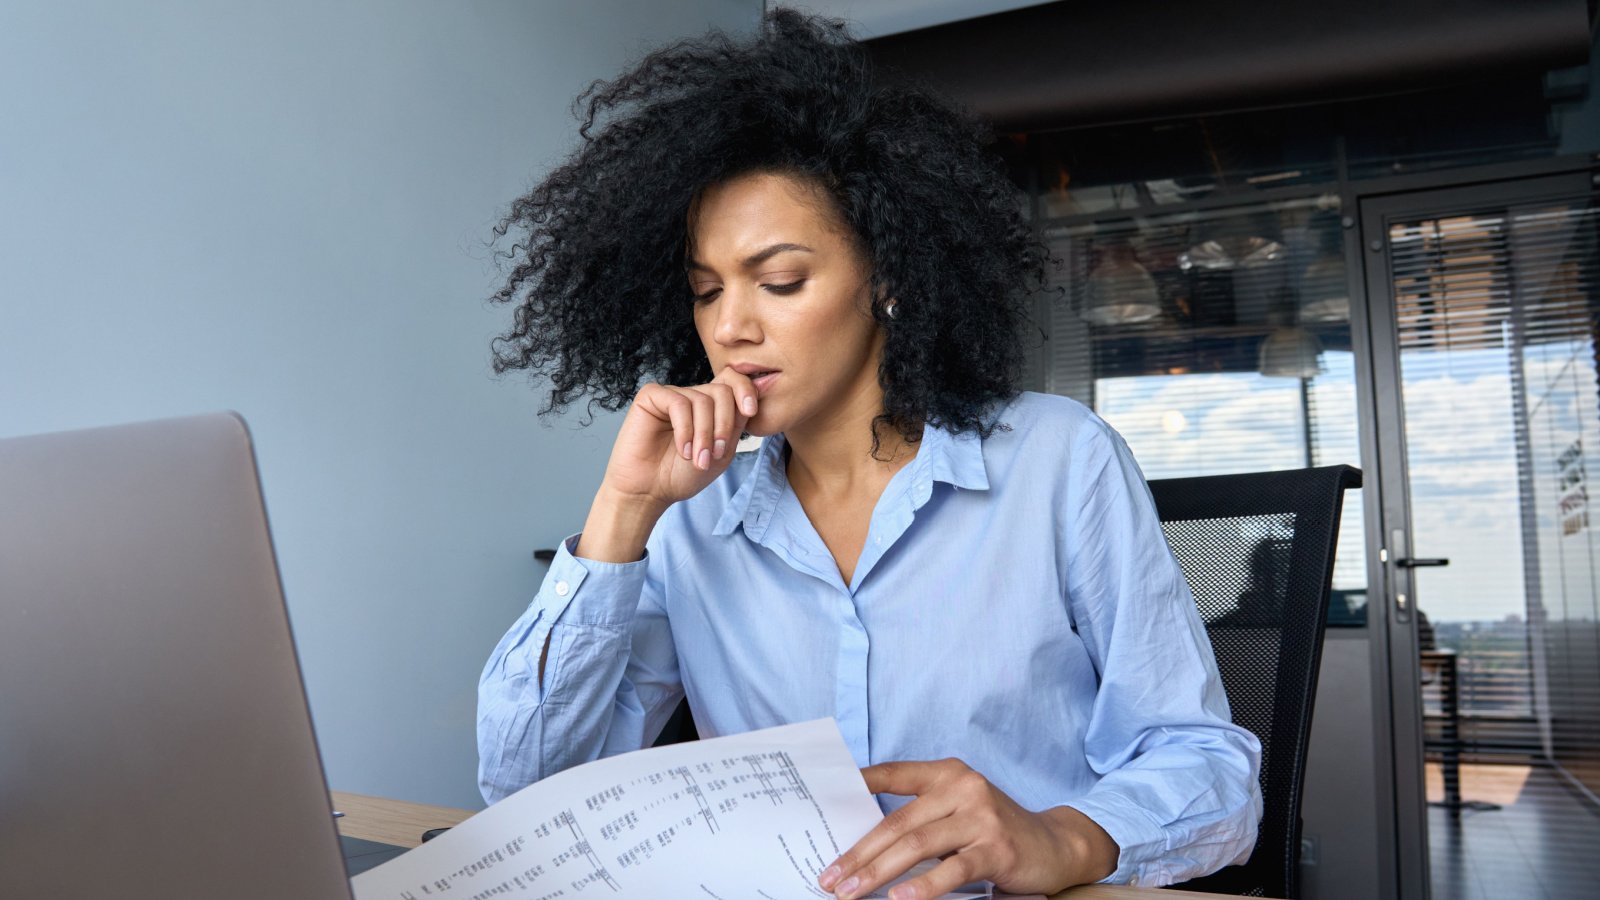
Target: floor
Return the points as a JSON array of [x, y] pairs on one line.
[[1542, 843]]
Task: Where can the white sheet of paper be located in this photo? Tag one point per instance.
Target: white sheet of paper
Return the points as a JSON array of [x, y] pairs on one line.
[[754, 815]]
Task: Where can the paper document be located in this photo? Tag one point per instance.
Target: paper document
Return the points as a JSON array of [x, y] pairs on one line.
[[753, 816]]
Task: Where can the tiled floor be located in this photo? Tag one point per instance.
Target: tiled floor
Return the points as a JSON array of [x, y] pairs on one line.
[[1543, 845]]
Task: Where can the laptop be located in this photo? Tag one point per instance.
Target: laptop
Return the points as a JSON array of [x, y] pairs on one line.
[[154, 735]]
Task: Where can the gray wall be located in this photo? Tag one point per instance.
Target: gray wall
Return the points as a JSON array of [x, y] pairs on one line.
[[281, 208], [1339, 807], [875, 18]]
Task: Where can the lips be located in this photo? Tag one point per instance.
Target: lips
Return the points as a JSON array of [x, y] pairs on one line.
[[759, 375]]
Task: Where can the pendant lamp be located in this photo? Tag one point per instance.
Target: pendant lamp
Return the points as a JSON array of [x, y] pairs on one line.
[[1324, 295], [1290, 352], [1120, 291]]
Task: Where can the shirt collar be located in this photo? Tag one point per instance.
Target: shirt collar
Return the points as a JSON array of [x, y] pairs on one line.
[[955, 459], [755, 500]]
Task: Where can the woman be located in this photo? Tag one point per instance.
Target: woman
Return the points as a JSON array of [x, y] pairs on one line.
[[971, 581]]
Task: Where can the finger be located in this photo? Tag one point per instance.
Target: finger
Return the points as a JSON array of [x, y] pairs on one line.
[[651, 401], [724, 419], [667, 403], [932, 840], [705, 414], [911, 779], [743, 389], [656, 401], [916, 814], [960, 869]]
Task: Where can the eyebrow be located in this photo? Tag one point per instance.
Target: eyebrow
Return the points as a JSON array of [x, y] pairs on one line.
[[755, 259]]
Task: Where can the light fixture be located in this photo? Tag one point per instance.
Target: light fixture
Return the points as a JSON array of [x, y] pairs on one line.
[[1230, 252], [1290, 352], [1324, 295], [1120, 291]]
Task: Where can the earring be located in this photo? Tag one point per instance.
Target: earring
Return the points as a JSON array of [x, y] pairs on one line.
[[889, 308]]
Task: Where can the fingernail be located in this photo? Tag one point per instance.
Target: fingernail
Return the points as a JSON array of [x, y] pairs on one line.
[[705, 459], [829, 876], [902, 892], [749, 405], [686, 446], [847, 889], [721, 446]]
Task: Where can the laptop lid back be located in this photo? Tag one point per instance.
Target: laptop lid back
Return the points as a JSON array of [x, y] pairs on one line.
[[154, 734]]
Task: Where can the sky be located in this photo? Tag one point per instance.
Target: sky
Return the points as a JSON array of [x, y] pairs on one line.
[[1461, 460]]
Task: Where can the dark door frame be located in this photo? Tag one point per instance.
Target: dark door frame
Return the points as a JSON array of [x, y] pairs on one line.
[[1397, 719]]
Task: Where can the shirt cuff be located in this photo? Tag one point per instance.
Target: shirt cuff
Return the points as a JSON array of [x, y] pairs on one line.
[[1141, 841], [579, 591]]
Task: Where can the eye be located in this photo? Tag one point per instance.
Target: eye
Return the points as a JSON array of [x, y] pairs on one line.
[[785, 289], [707, 296]]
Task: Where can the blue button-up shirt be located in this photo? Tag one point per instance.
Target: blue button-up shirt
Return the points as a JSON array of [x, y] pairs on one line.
[[1015, 606]]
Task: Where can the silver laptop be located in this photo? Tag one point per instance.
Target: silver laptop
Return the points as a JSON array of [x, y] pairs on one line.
[[154, 735]]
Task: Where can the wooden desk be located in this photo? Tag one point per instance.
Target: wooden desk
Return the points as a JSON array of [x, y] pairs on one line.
[[402, 824], [391, 821]]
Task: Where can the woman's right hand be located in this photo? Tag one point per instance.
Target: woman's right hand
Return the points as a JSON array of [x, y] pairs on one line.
[[674, 442]]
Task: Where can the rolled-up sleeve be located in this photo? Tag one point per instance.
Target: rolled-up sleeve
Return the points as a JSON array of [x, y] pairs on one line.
[[610, 677], [1179, 791]]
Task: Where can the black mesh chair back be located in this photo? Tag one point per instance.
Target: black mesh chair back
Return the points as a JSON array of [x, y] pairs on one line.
[[1258, 552]]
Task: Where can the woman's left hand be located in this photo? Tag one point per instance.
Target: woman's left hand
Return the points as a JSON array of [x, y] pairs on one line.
[[978, 832]]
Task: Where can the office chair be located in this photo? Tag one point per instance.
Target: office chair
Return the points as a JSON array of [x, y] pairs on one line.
[[1258, 551], [679, 728]]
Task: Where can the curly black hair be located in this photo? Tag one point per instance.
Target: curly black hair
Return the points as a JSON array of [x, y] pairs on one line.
[[602, 301]]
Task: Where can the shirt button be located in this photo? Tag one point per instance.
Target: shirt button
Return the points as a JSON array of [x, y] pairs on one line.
[[877, 540], [1134, 881], [562, 589]]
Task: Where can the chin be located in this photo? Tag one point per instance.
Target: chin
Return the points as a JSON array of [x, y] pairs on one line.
[[763, 425]]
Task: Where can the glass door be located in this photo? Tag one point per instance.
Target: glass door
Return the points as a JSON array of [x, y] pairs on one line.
[[1484, 309]]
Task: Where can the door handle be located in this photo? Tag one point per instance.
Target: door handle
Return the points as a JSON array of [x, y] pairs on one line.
[[1420, 563]]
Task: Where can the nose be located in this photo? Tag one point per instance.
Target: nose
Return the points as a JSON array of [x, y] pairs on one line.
[[736, 321]]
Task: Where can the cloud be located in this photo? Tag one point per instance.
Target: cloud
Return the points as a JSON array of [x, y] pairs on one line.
[[1461, 446], [1235, 422]]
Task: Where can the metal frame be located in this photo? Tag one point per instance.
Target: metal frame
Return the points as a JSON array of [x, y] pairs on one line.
[[1403, 182], [1396, 669]]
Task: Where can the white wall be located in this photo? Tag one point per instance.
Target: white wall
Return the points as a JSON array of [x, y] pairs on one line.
[[282, 208]]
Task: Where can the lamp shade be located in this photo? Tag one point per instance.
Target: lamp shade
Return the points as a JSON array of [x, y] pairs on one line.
[[1229, 251], [1120, 292], [1290, 353], [1324, 295]]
